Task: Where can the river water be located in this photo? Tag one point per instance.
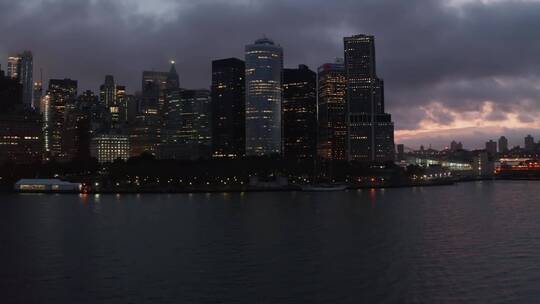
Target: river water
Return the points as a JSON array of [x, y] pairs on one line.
[[475, 242]]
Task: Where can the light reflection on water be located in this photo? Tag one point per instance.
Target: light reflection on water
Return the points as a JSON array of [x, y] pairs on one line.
[[472, 242]]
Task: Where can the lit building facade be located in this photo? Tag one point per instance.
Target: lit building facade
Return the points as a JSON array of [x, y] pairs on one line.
[[187, 131], [38, 94], [61, 93], [112, 97], [20, 67], [332, 112], [264, 65], [107, 148], [21, 138], [228, 108], [370, 135], [299, 113], [152, 110]]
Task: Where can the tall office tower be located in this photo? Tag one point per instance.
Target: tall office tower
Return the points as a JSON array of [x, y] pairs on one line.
[[332, 112], [370, 135], [173, 80], [491, 147], [13, 66], [89, 103], [187, 132], [529, 143], [107, 91], [77, 132], [228, 108], [145, 133], [171, 89], [264, 65], [10, 94], [110, 100], [154, 85], [503, 145], [299, 113], [130, 108], [61, 93], [38, 93], [20, 66], [400, 152], [118, 116], [45, 110]]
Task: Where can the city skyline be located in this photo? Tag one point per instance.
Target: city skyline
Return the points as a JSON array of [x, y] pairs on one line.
[[437, 90]]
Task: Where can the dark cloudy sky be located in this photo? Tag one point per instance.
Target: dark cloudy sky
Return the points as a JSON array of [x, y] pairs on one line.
[[463, 69]]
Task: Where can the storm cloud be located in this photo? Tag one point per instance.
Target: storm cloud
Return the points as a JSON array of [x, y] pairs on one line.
[[444, 62]]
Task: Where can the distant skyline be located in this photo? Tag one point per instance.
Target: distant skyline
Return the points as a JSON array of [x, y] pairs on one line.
[[465, 70]]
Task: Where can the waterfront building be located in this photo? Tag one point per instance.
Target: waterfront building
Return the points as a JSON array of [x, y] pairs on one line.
[[228, 108], [299, 113], [370, 135], [332, 112], [107, 148], [482, 165], [264, 65], [46, 185]]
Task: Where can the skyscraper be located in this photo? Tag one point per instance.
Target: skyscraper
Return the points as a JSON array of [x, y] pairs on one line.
[[107, 91], [228, 108], [503, 144], [299, 113], [145, 133], [61, 93], [491, 147], [10, 93], [20, 66], [187, 131], [332, 112], [117, 111], [38, 93], [154, 85], [107, 97], [529, 143], [370, 134], [264, 64]]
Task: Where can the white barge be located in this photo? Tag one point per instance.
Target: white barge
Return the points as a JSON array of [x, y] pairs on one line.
[[47, 186]]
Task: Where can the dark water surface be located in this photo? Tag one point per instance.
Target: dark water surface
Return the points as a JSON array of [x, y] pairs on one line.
[[468, 243]]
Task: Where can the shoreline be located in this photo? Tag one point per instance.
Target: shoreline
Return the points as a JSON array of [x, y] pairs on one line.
[[266, 189]]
